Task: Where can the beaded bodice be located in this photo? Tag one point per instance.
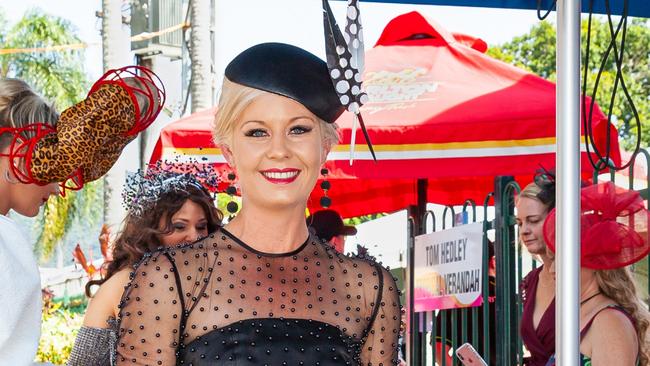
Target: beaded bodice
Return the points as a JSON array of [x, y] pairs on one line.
[[219, 301], [272, 342]]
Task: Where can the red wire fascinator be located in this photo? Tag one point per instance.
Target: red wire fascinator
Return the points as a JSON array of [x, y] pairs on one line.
[[90, 135], [613, 227]]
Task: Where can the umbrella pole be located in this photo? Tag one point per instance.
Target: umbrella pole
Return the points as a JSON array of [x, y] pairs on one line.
[[416, 226], [567, 290]]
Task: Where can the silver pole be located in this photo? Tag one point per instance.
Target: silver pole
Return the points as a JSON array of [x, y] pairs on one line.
[[567, 308]]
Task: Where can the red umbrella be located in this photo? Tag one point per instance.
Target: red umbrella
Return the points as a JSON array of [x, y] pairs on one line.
[[440, 110]]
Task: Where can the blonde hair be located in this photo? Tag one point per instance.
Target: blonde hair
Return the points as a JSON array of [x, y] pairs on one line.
[[618, 285], [21, 106], [233, 101], [532, 191]]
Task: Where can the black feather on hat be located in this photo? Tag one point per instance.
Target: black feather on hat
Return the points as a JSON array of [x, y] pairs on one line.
[[345, 61], [326, 89]]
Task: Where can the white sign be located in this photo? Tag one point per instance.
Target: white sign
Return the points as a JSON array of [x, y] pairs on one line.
[[448, 268]]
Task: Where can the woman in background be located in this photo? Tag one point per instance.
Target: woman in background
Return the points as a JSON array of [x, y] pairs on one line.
[[613, 235], [20, 285], [537, 327], [165, 209], [40, 150]]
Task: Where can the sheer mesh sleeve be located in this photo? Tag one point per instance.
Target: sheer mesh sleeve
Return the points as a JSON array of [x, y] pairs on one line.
[[150, 313], [380, 346]]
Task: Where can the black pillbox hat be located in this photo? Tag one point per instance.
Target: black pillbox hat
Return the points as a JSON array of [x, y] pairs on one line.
[[291, 72]]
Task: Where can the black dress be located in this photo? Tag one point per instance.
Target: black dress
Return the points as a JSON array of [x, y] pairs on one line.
[[220, 302]]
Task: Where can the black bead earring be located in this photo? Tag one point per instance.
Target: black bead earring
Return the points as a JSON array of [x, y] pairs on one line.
[[325, 201], [232, 206]]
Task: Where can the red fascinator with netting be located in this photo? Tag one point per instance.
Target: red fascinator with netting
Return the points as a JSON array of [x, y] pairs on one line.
[[613, 227]]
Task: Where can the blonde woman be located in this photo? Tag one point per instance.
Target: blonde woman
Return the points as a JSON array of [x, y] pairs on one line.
[[613, 321], [537, 327], [41, 151], [20, 291], [263, 290]]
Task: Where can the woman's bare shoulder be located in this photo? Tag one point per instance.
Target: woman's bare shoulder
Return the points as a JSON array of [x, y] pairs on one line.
[[104, 304], [613, 338], [615, 323]]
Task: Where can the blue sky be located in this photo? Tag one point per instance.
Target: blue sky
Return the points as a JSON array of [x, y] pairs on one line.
[[242, 23]]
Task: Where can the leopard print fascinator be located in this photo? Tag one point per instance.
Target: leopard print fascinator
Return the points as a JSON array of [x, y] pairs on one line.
[[89, 137]]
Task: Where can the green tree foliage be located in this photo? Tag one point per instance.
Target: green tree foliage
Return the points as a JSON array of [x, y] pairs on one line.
[[59, 329], [222, 203], [535, 51], [57, 74], [354, 221], [59, 77]]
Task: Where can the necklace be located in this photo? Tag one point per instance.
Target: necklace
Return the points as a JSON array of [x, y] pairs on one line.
[[589, 298]]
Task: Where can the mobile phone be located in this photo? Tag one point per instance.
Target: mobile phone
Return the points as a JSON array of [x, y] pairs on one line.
[[469, 356]]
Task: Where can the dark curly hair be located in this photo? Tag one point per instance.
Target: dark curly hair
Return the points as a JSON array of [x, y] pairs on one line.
[[141, 234]]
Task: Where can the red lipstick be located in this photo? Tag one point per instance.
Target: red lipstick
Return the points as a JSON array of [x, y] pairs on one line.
[[280, 176]]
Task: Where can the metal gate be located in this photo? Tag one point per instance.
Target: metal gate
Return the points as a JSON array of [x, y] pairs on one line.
[[502, 336]]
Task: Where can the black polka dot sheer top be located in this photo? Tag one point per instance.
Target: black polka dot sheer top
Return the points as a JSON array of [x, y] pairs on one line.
[[220, 302]]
